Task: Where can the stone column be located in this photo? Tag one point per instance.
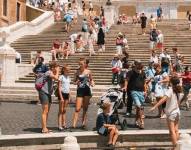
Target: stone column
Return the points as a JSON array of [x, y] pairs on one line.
[[70, 143], [184, 143], [7, 62], [110, 14]]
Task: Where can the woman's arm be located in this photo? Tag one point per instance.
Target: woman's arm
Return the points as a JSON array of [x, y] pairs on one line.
[[55, 75], [160, 102], [60, 91], [91, 79]]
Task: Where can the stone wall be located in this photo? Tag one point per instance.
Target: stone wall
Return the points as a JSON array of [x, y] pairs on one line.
[[182, 9], [32, 13], [128, 10], [11, 17]]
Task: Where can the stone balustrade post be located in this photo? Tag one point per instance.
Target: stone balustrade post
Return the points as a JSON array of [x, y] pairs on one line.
[[110, 14], [70, 143], [7, 61], [184, 143]]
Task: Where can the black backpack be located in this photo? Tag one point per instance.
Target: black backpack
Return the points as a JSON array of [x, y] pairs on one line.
[[165, 61]]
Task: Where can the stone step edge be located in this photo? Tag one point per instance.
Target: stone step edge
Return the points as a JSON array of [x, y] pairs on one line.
[[83, 146], [124, 136]]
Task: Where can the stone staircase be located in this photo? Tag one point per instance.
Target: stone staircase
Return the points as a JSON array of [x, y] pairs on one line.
[[175, 34]]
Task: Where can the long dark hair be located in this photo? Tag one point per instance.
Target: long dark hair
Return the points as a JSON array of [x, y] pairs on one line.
[[177, 89]]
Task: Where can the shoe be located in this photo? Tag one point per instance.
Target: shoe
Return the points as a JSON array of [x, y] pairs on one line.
[[60, 128], [141, 126], [136, 123], [163, 116], [128, 114]]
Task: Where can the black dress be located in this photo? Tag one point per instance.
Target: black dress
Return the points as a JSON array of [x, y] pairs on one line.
[[101, 37]]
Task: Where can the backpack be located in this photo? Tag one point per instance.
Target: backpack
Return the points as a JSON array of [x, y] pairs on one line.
[[165, 61], [84, 28], [40, 82]]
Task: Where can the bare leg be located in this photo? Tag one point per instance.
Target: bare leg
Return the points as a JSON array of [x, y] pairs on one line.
[[76, 113], [64, 113], [45, 109], [60, 119], [85, 109], [173, 130]]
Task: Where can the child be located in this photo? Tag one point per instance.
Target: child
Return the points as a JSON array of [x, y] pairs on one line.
[[105, 127], [172, 108], [64, 96]]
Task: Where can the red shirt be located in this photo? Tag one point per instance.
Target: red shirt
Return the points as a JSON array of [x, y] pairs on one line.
[[186, 78], [56, 45]]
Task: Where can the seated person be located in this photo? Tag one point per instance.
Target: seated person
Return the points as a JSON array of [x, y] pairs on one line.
[[124, 19], [79, 43], [120, 20], [56, 48], [66, 49], [105, 127]]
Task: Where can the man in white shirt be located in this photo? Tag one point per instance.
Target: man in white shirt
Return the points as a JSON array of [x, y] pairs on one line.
[[17, 57], [165, 61]]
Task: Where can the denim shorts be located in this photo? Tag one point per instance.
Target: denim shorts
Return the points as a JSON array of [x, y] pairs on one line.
[[44, 97], [174, 117], [138, 98]]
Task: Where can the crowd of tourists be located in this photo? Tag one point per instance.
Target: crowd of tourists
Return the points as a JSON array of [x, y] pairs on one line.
[[160, 83]]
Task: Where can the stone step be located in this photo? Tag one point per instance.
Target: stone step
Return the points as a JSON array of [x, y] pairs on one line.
[[126, 138]]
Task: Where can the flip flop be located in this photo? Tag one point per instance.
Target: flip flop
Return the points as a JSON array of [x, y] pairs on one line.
[[45, 132]]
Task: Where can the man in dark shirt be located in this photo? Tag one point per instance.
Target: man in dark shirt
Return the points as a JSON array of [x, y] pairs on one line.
[[143, 23], [153, 39], [135, 86], [40, 67]]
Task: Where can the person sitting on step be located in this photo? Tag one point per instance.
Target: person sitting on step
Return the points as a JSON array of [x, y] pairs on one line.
[[105, 126]]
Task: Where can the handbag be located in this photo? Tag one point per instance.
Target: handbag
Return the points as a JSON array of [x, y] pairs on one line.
[[102, 130], [115, 70]]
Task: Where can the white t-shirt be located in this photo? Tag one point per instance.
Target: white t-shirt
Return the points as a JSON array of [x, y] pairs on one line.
[[154, 59], [65, 83], [160, 88], [73, 37], [171, 103], [164, 55], [160, 38]]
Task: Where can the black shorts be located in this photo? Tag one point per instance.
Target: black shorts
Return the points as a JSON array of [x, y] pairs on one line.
[[143, 26], [65, 96], [84, 91], [44, 97]]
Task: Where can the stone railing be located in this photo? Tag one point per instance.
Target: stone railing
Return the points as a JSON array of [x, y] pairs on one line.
[[23, 28], [33, 12], [7, 54]]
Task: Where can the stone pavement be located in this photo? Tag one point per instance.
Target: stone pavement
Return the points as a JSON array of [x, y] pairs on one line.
[[19, 118]]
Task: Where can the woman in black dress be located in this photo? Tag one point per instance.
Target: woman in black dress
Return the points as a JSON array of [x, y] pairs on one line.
[[101, 40]]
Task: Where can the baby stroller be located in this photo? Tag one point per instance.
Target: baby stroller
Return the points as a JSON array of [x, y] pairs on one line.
[[113, 96]]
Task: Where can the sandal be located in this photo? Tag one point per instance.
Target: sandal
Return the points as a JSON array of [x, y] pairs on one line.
[[141, 126], [47, 131]]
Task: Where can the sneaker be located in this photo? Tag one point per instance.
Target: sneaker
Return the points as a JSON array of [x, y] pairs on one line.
[[163, 116], [60, 128], [128, 114]]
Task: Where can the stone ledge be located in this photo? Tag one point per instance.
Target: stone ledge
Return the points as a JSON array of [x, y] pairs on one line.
[[90, 137]]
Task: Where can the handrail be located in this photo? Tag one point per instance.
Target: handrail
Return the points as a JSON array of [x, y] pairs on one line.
[[23, 28]]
